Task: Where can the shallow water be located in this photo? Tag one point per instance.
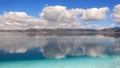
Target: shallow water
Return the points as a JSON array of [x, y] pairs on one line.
[[93, 51], [84, 62]]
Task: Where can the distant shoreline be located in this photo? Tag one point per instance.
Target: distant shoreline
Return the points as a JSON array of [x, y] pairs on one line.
[[112, 32]]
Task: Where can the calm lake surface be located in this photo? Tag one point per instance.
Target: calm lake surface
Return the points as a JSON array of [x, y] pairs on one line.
[[86, 51]]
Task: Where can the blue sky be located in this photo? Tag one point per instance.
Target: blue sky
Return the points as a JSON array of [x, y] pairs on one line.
[[34, 7]]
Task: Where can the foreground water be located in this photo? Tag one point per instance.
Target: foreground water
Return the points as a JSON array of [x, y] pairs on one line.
[[93, 51], [108, 62]]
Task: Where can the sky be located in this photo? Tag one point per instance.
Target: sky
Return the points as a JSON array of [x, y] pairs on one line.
[[92, 14]]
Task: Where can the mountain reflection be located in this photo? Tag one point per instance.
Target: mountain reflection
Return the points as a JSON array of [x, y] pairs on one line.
[[23, 46]]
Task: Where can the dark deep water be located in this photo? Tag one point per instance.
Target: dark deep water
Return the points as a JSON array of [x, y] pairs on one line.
[[86, 51]]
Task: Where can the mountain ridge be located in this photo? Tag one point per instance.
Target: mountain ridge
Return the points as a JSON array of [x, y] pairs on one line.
[[115, 29]]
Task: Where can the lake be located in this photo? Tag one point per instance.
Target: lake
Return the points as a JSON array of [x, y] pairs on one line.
[[83, 51]]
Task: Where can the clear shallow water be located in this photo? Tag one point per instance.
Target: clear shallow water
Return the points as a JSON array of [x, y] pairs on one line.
[[87, 62], [24, 51]]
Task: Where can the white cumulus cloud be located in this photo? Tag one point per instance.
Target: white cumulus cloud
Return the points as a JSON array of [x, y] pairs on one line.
[[17, 20], [52, 17], [94, 14], [116, 13], [59, 16]]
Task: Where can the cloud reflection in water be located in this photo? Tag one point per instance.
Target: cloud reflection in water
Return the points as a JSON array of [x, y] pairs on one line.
[[58, 46]]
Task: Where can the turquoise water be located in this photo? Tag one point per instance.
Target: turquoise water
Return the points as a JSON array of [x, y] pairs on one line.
[[79, 62], [92, 51]]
